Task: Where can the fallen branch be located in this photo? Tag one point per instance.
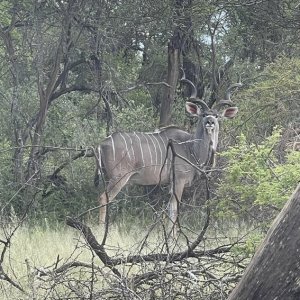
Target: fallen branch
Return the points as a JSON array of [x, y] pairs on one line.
[[110, 262], [93, 243]]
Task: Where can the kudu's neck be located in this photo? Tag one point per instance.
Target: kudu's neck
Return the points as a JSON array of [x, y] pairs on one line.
[[205, 142]]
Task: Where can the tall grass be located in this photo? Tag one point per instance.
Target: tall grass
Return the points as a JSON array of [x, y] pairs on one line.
[[40, 247]]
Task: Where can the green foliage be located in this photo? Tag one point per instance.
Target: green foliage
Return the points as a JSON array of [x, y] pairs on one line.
[[136, 116], [5, 8], [249, 247], [272, 101], [5, 167], [255, 176]]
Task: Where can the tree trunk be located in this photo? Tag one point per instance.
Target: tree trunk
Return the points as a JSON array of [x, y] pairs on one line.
[[274, 271], [17, 140], [169, 95], [179, 43]]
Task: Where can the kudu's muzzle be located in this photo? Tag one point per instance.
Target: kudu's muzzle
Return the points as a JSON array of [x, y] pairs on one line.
[[210, 124]]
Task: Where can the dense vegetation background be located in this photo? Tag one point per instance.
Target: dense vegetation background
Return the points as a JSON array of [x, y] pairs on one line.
[[75, 71]]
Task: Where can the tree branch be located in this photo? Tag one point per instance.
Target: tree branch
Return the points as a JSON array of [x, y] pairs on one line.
[[93, 243], [109, 262]]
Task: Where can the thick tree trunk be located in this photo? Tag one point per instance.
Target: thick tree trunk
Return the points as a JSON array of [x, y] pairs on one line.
[[274, 272], [169, 95], [179, 43]]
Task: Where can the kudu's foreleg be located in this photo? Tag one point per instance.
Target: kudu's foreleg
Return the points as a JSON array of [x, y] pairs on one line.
[[112, 190], [175, 199], [103, 201]]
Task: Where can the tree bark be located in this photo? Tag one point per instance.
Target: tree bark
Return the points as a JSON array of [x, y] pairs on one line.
[[179, 43], [17, 140], [274, 272], [169, 95]]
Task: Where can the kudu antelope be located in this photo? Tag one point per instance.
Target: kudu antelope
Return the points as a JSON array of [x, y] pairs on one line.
[[140, 157]]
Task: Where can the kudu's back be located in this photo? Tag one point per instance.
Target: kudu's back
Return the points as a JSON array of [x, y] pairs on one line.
[[145, 156]]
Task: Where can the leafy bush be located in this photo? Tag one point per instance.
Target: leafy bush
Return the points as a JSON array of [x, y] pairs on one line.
[[255, 176], [135, 117], [273, 100]]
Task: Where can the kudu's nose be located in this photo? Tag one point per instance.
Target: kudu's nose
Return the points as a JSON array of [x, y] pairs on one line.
[[210, 123]]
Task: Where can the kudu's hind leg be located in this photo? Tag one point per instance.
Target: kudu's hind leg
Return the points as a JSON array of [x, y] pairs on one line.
[[112, 190]]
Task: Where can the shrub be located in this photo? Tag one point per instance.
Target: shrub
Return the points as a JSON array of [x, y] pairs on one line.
[[255, 177]]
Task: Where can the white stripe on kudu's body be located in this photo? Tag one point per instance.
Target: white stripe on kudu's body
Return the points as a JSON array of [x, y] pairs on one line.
[[113, 147], [141, 149], [143, 166], [157, 162], [125, 142], [131, 145], [149, 149], [153, 150]]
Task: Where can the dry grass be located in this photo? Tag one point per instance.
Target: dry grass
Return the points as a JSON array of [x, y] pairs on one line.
[[41, 247], [37, 247]]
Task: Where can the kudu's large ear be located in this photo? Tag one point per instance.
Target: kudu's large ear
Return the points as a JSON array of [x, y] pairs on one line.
[[193, 109], [230, 112]]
